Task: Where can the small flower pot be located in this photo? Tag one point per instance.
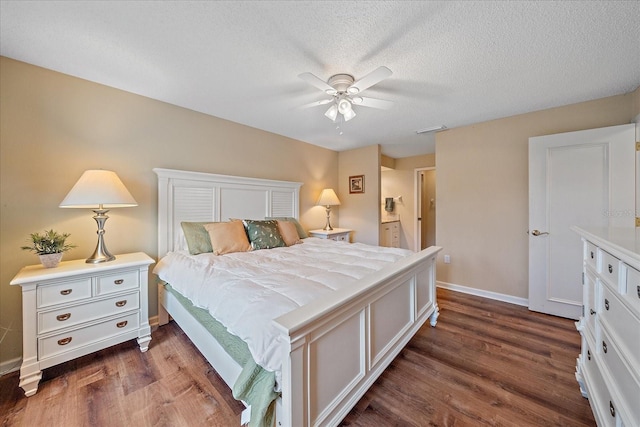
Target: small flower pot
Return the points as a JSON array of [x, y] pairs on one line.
[[51, 260]]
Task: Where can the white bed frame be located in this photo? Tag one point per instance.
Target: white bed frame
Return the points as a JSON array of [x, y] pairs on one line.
[[334, 348]]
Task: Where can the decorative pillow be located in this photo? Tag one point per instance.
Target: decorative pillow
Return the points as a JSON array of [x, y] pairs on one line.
[[263, 234], [227, 237], [288, 232], [197, 237], [301, 232]]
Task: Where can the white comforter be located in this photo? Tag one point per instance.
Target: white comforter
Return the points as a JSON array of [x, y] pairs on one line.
[[245, 291]]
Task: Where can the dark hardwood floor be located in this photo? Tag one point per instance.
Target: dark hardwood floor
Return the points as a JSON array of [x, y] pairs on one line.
[[486, 363]]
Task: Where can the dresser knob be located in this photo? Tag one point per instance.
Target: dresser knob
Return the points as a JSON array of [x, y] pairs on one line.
[[610, 268], [121, 303], [65, 292], [591, 254], [638, 288], [604, 347], [122, 324], [64, 341], [592, 311], [606, 304], [63, 317], [612, 409], [119, 281], [589, 354]]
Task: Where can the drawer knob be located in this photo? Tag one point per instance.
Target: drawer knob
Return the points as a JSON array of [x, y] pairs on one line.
[[121, 303], [592, 311], [64, 341], [589, 354], [612, 409], [122, 324], [604, 347], [119, 281], [610, 268], [63, 317], [592, 256], [638, 289], [65, 291], [606, 304]]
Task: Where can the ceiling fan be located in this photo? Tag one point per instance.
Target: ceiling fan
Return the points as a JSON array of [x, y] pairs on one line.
[[345, 92]]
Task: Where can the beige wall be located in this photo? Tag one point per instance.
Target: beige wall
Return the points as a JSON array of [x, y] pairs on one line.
[[401, 182], [53, 127], [360, 211], [482, 189]]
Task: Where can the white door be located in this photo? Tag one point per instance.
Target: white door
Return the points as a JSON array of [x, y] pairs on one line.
[[584, 178]]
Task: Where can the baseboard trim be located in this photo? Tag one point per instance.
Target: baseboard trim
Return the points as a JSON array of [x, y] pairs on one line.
[[153, 321], [485, 294], [9, 366]]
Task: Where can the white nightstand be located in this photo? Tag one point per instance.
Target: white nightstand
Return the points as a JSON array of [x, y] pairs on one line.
[[78, 308], [337, 234]]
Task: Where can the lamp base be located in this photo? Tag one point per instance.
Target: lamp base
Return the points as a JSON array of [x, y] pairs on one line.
[[328, 227], [100, 254]]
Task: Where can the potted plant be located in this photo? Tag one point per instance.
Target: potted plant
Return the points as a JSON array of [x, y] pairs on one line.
[[50, 246]]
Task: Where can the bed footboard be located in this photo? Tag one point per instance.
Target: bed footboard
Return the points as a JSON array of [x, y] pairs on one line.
[[337, 347]]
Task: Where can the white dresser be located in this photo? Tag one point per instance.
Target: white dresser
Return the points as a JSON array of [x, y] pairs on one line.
[[608, 368], [78, 308]]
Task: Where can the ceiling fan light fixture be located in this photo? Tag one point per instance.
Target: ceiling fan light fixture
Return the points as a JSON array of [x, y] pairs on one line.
[[356, 100], [331, 92], [352, 90], [332, 112], [349, 114], [344, 106]]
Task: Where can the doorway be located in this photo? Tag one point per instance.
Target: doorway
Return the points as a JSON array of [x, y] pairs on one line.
[[425, 212]]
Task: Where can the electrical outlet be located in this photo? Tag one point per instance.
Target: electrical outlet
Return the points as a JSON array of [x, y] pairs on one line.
[[447, 259]]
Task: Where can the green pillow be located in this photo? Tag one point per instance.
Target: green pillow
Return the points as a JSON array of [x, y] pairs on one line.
[[197, 237], [301, 232], [263, 234]]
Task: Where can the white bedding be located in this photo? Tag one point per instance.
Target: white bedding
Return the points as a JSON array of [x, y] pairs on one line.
[[246, 290]]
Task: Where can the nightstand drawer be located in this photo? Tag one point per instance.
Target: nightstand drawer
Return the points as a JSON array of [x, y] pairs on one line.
[[63, 292], [71, 340], [609, 266], [117, 282], [63, 318]]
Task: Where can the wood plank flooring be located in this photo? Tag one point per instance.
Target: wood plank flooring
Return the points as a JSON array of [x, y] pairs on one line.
[[486, 363]]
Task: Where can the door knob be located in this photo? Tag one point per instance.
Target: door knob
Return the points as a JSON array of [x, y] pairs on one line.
[[538, 232]]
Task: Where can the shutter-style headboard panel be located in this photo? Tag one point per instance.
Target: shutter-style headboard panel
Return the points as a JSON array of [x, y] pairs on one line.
[[198, 196]]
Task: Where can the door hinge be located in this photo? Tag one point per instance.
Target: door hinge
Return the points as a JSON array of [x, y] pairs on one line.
[[638, 146], [638, 221]]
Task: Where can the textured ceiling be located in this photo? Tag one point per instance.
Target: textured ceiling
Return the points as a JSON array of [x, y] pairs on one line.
[[454, 63]]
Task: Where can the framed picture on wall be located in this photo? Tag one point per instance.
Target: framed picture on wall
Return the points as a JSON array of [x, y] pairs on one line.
[[356, 184]]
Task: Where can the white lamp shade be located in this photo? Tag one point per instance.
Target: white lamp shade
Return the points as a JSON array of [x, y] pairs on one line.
[[328, 197], [343, 106], [332, 112], [98, 187], [349, 114]]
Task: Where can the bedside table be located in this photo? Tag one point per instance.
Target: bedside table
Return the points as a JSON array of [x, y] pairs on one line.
[[337, 234], [78, 308]]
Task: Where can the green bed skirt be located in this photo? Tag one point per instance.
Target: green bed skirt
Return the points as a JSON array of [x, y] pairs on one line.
[[255, 386]]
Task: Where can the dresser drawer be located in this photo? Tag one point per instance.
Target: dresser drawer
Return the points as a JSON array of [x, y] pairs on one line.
[[117, 282], [621, 324], [609, 266], [632, 288], [590, 308], [49, 321], [591, 255], [63, 292], [71, 340], [627, 386], [600, 398]]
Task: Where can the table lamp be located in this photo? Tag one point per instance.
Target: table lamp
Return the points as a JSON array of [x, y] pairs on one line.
[[99, 190], [328, 198]]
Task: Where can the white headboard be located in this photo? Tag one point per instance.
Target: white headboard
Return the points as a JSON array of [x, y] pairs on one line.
[[198, 196]]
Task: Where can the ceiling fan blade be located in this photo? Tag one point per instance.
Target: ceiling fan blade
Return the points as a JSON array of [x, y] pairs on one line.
[[369, 80], [374, 103], [316, 103], [317, 82]]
